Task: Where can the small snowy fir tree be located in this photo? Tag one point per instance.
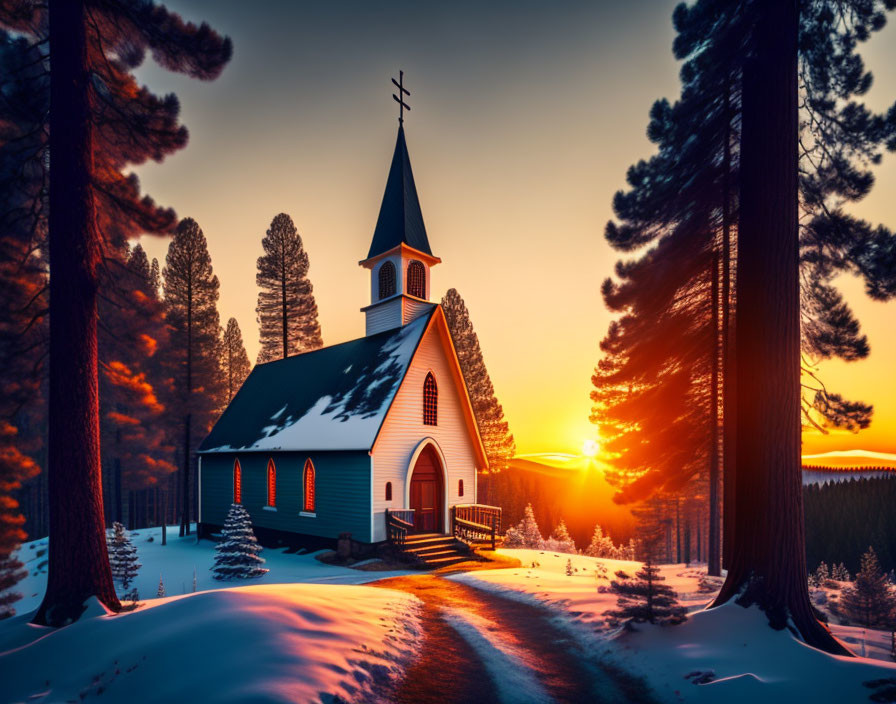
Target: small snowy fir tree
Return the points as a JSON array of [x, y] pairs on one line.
[[821, 575], [569, 569], [601, 544], [161, 591], [525, 534], [646, 598], [560, 540], [236, 556], [869, 602], [840, 573], [122, 556]]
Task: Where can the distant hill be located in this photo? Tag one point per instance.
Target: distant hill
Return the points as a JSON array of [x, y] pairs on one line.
[[846, 459]]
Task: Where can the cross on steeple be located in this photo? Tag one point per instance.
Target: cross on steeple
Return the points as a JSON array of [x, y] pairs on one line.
[[402, 91]]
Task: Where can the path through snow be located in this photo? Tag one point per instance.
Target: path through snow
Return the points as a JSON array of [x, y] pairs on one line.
[[482, 647]]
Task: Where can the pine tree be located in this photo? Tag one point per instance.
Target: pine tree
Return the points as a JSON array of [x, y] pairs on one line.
[[237, 555], [839, 573], [526, 533], [234, 360], [101, 122], [122, 556], [160, 592], [496, 436], [645, 598], [870, 601], [569, 568], [560, 540], [191, 297], [287, 312], [601, 545]]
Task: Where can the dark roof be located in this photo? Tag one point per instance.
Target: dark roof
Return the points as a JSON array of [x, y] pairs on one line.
[[401, 219], [334, 398]]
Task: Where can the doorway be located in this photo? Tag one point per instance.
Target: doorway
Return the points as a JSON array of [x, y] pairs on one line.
[[427, 492]]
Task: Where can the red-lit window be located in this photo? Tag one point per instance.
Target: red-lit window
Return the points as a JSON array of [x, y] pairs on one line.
[[237, 482], [272, 483], [416, 279], [387, 280], [460, 487], [388, 491], [308, 483], [430, 401]]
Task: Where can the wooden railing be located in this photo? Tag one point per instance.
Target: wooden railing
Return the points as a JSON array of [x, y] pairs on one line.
[[476, 523], [399, 522]]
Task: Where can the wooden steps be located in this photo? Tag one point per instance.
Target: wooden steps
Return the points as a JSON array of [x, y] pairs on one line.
[[436, 550]]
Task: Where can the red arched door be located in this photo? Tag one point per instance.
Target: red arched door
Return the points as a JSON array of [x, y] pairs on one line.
[[427, 492]]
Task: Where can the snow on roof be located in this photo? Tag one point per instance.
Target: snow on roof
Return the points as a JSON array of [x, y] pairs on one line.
[[334, 398]]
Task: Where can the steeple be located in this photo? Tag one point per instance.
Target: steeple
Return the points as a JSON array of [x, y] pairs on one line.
[[400, 257], [400, 220]]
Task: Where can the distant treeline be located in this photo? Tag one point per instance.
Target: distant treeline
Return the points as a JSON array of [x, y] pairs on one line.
[[844, 518], [863, 468]]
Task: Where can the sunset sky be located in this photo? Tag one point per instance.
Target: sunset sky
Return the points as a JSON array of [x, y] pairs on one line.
[[525, 117]]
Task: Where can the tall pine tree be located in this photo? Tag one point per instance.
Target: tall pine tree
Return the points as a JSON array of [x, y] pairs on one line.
[[287, 312], [235, 365], [191, 298], [496, 436], [100, 122]]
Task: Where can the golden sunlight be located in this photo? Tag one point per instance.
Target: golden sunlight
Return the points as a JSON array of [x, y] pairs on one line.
[[590, 448]]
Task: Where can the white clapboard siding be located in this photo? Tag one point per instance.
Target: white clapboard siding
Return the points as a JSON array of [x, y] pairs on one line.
[[403, 430], [384, 316]]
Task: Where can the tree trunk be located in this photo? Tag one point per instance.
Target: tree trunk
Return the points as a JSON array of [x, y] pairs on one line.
[[78, 562], [714, 557], [729, 386], [768, 561]]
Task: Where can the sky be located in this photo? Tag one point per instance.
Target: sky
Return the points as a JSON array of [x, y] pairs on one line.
[[524, 119]]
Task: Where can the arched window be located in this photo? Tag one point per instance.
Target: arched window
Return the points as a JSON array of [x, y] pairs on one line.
[[388, 491], [237, 482], [387, 280], [430, 401], [272, 483], [416, 279], [308, 483], [460, 487]]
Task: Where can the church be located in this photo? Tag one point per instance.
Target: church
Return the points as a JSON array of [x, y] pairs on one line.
[[335, 440]]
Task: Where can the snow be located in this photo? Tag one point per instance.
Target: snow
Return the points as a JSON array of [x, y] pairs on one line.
[[305, 631], [177, 561], [727, 654], [332, 422], [263, 643]]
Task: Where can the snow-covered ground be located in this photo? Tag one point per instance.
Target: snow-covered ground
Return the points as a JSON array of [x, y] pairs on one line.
[[302, 632], [177, 561], [263, 643], [728, 654]]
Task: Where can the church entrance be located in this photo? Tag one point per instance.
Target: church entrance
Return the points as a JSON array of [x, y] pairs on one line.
[[427, 492]]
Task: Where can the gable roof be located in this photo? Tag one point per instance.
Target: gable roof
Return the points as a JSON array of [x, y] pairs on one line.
[[334, 398], [400, 220]]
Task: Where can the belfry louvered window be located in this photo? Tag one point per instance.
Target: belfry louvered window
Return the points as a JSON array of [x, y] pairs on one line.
[[387, 280], [430, 401], [416, 279]]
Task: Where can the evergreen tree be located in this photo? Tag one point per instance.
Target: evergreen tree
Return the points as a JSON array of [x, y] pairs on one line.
[[569, 568], [493, 429], [601, 545], [237, 555], [160, 592], [122, 556], [870, 602], [101, 122], [839, 573], [645, 598], [234, 361], [526, 533], [191, 297], [560, 540], [287, 312]]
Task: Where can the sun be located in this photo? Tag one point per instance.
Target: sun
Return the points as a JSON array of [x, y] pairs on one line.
[[590, 448]]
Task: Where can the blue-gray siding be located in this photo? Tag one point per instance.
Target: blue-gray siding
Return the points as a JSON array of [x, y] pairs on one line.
[[342, 503]]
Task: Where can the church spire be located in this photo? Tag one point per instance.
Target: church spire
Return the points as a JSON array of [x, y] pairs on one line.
[[400, 220], [400, 257]]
